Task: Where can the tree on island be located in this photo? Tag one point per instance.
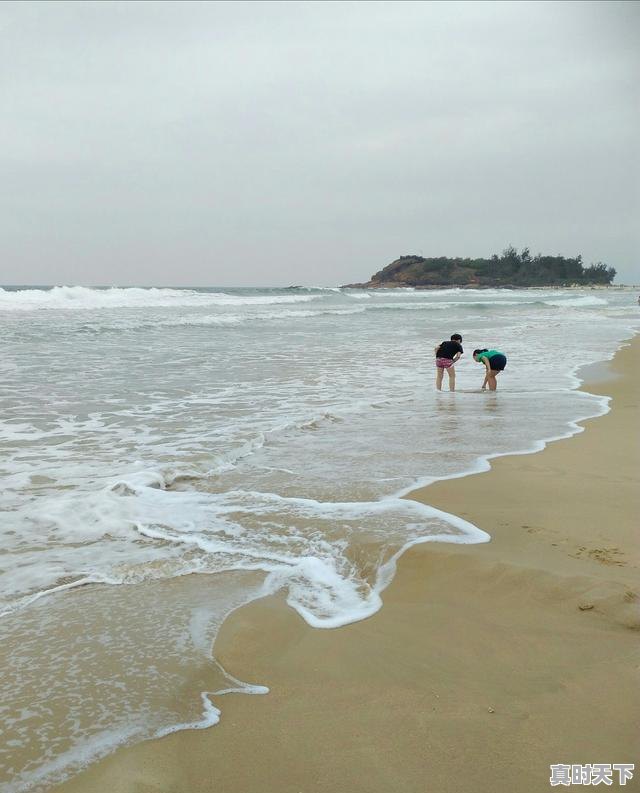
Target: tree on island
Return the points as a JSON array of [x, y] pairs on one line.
[[509, 269]]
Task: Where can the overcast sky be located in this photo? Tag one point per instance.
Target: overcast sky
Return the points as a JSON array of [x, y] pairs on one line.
[[312, 143]]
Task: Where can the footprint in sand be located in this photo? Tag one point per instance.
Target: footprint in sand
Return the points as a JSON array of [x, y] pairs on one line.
[[602, 555]]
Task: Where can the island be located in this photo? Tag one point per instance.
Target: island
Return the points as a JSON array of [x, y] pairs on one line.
[[510, 269]]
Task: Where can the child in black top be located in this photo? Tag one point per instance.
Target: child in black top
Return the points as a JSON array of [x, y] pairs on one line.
[[447, 353]]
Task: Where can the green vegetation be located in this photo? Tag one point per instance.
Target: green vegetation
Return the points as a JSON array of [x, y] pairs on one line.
[[509, 269]]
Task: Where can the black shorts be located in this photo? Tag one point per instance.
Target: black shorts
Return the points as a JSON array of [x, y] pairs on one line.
[[498, 362]]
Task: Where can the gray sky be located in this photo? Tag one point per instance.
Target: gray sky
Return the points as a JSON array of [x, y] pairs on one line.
[[312, 143]]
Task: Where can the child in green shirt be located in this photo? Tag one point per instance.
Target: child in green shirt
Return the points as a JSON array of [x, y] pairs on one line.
[[494, 362]]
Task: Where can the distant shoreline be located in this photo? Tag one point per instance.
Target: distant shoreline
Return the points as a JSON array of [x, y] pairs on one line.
[[480, 288], [389, 285]]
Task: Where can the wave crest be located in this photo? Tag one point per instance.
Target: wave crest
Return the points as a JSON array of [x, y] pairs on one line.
[[84, 297]]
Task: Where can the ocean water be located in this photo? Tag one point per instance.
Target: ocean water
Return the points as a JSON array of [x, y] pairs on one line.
[[170, 454]]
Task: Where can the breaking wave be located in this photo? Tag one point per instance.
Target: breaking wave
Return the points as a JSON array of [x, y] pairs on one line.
[[87, 298]]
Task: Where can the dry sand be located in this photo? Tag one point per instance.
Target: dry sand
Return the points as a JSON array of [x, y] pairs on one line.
[[486, 664]]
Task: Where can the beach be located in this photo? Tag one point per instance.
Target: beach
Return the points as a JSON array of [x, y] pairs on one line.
[[486, 664], [252, 538]]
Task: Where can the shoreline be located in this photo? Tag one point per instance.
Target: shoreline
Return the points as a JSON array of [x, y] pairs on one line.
[[598, 373], [476, 287], [363, 704]]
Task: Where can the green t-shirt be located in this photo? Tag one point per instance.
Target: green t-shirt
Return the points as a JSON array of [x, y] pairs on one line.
[[489, 354]]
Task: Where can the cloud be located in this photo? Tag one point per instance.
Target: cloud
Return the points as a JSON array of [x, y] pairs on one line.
[[271, 143]]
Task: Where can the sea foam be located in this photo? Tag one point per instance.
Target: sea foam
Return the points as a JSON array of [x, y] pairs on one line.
[[86, 298], [169, 455]]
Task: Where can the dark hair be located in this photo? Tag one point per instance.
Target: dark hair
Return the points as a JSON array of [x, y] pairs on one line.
[[456, 337], [484, 349]]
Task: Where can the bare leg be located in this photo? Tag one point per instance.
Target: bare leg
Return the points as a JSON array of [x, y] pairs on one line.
[[439, 373], [452, 378], [491, 378]]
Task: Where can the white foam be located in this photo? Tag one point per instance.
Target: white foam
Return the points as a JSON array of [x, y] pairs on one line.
[[585, 300], [57, 769], [279, 451], [86, 298]]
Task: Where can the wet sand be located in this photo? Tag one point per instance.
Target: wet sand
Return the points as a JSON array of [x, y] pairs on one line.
[[486, 664]]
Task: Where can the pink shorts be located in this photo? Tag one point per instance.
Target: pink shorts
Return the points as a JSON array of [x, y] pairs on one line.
[[444, 363]]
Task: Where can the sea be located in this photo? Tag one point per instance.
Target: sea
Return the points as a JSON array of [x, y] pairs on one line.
[[168, 455]]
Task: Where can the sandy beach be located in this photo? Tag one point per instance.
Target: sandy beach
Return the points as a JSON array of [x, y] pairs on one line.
[[486, 664]]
